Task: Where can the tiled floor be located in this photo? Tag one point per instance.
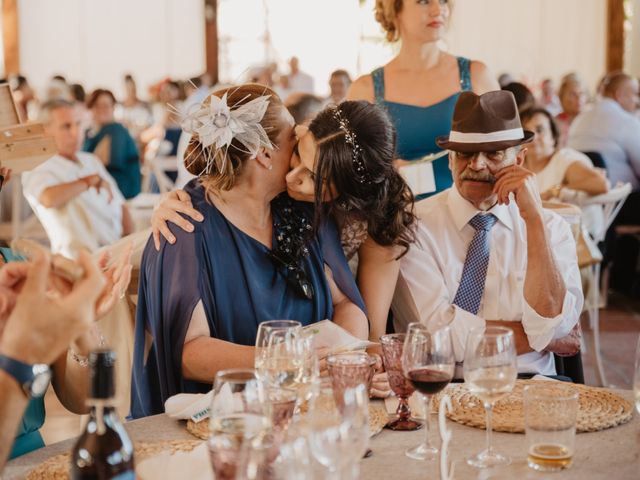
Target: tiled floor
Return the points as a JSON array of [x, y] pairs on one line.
[[620, 326]]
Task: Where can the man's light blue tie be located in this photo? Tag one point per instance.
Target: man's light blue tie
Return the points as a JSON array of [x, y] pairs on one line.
[[474, 272]]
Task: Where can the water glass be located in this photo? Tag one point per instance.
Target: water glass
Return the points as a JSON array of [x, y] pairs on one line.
[[550, 412], [348, 370], [490, 372]]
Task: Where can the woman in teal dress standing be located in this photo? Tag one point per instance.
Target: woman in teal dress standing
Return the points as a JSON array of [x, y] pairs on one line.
[[420, 86]]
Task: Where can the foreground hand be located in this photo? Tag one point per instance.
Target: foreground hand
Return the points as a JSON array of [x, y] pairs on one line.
[[521, 182], [117, 278], [168, 210], [380, 387], [40, 327]]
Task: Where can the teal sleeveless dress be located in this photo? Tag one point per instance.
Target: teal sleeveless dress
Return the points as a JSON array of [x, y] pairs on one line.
[[28, 437], [418, 127]]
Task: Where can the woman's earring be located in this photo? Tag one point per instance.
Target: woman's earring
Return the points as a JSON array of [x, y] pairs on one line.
[[270, 167]]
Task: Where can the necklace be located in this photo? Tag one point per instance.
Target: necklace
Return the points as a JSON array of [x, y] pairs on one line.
[[293, 229]]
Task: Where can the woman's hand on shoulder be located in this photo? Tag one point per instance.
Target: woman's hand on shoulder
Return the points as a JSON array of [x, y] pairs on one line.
[[168, 210], [361, 89], [482, 78]]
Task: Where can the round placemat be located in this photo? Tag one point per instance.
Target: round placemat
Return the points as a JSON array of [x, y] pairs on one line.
[[378, 418], [57, 468], [598, 409]]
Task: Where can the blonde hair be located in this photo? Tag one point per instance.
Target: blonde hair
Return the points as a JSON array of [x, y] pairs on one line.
[[227, 162]]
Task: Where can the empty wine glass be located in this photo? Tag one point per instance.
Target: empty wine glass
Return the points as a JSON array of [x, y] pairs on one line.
[[338, 438], [490, 372], [279, 356], [428, 362], [636, 382], [238, 415], [348, 370], [392, 346]]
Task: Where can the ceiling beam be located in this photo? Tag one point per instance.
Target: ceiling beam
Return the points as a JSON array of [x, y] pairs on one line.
[[615, 35], [211, 38], [10, 38]]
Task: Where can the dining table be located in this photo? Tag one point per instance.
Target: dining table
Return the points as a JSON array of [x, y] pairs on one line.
[[611, 454]]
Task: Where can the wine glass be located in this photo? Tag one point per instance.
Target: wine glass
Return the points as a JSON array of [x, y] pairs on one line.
[[636, 382], [392, 346], [490, 372], [338, 437], [348, 370], [238, 415], [428, 362], [279, 356]]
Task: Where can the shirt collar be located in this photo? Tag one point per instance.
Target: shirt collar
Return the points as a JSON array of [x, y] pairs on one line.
[[462, 211]]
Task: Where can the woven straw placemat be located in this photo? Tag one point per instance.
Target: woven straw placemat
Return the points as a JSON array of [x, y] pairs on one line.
[[57, 468], [598, 409], [378, 418]]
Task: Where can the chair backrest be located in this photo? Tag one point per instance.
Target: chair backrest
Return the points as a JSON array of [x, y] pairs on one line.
[[597, 159], [611, 202]]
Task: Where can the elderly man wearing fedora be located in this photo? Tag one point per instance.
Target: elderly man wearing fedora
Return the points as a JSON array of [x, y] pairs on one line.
[[487, 253]]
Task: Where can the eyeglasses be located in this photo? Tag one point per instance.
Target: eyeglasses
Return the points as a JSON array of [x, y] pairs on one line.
[[493, 157]]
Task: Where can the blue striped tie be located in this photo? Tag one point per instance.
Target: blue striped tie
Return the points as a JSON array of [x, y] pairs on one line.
[[474, 272]]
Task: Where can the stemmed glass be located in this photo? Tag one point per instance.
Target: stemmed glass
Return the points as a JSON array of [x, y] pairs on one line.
[[636, 382], [238, 415], [428, 362], [490, 372], [279, 357], [338, 432], [392, 346]]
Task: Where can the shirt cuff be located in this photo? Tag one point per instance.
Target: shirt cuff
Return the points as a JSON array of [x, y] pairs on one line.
[[461, 324], [541, 330]]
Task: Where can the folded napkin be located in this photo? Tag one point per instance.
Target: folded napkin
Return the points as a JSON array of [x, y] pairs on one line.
[[327, 334], [185, 406], [194, 465]]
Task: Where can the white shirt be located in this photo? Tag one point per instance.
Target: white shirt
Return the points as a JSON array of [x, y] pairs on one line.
[[87, 221], [300, 82], [430, 274], [613, 132], [554, 173]]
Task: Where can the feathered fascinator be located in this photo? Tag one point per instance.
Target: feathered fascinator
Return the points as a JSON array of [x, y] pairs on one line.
[[217, 124]]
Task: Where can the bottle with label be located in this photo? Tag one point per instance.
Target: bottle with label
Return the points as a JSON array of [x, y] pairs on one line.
[[104, 450]]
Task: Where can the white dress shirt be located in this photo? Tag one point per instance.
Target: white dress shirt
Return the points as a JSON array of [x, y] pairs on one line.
[[430, 274], [613, 132], [87, 221]]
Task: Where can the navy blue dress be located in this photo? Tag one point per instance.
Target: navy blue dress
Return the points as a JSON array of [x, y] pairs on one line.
[[240, 286]]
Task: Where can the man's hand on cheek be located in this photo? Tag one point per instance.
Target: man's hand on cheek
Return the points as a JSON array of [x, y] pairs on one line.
[[521, 182]]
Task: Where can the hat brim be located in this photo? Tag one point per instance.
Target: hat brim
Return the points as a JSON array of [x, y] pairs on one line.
[[444, 143]]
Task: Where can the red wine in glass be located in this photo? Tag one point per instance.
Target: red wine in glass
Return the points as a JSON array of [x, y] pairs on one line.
[[429, 381]]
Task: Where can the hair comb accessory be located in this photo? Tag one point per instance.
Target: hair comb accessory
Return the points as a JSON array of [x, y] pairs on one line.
[[356, 152], [218, 124]]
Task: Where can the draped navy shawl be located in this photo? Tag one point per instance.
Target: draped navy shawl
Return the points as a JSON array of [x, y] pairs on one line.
[[239, 285]]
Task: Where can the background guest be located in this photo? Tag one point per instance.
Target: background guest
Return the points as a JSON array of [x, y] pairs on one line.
[[112, 144], [573, 96], [420, 86], [548, 98], [339, 83], [303, 107], [524, 97]]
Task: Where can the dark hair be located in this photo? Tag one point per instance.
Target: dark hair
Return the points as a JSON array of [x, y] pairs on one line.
[[531, 112], [613, 81], [93, 98], [384, 200], [341, 73], [59, 78], [196, 82], [77, 92], [234, 157], [524, 98], [303, 107]]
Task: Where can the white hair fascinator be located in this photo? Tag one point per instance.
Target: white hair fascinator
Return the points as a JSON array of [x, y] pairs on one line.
[[218, 124]]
